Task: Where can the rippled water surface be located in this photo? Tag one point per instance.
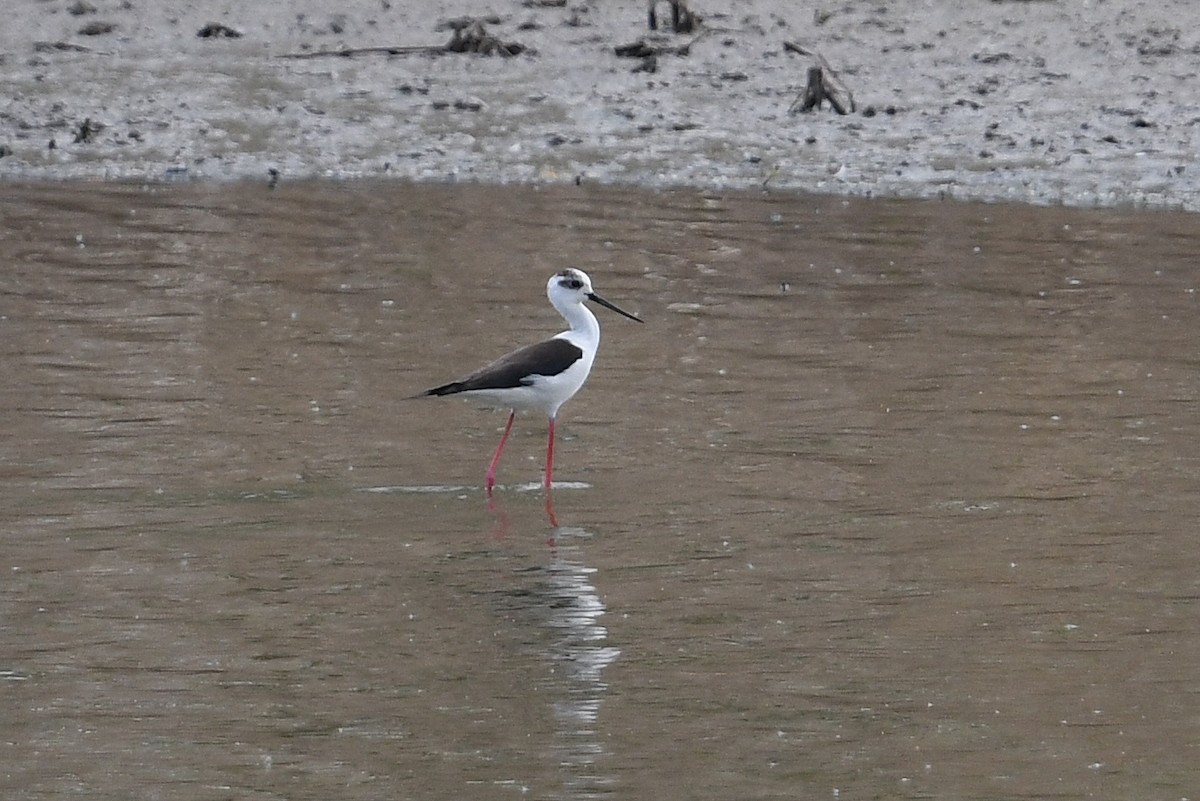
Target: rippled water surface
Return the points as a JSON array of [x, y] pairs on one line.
[[885, 500]]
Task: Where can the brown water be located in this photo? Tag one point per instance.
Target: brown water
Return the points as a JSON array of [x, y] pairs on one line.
[[886, 499]]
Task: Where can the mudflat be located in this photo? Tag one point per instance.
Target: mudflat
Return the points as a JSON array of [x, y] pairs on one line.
[[1081, 103]]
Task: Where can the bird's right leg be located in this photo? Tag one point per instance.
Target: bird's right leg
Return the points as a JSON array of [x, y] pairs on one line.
[[491, 473]]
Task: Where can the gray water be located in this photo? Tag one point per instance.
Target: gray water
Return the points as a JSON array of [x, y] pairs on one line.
[[885, 500]]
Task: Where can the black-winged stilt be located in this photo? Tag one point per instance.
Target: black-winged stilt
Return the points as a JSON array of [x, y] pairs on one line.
[[545, 375]]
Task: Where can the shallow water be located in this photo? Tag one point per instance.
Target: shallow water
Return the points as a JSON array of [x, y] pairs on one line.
[[886, 499]]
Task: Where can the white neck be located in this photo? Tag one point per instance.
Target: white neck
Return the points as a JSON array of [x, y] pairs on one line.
[[582, 321]]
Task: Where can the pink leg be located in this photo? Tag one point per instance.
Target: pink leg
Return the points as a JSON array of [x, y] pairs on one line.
[[491, 473], [550, 455]]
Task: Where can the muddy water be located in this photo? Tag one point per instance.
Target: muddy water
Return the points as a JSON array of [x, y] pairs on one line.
[[885, 500]]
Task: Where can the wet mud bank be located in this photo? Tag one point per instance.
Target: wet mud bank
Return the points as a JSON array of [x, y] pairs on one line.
[[1081, 103]]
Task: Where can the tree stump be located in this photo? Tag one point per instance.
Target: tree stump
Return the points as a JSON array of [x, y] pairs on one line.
[[823, 84], [682, 20]]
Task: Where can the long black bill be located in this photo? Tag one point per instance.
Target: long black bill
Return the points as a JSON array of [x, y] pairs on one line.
[[607, 305]]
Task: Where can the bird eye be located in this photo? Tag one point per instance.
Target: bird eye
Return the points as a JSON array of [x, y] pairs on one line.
[[573, 283]]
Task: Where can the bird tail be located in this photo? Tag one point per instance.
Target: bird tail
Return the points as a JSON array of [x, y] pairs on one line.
[[445, 389]]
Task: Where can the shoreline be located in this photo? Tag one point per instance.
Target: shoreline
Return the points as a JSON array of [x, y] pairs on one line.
[[1050, 103]]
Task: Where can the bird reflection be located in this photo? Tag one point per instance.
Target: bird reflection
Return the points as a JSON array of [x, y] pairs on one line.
[[580, 654], [502, 521], [576, 647], [562, 602], [550, 517], [500, 518]]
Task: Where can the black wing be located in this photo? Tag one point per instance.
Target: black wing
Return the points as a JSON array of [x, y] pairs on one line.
[[514, 370]]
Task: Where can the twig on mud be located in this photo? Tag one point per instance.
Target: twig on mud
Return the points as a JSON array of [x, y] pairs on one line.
[[346, 52], [62, 47], [649, 53], [823, 84], [470, 36], [643, 49]]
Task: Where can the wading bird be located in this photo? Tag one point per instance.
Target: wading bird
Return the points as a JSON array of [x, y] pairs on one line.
[[545, 375]]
